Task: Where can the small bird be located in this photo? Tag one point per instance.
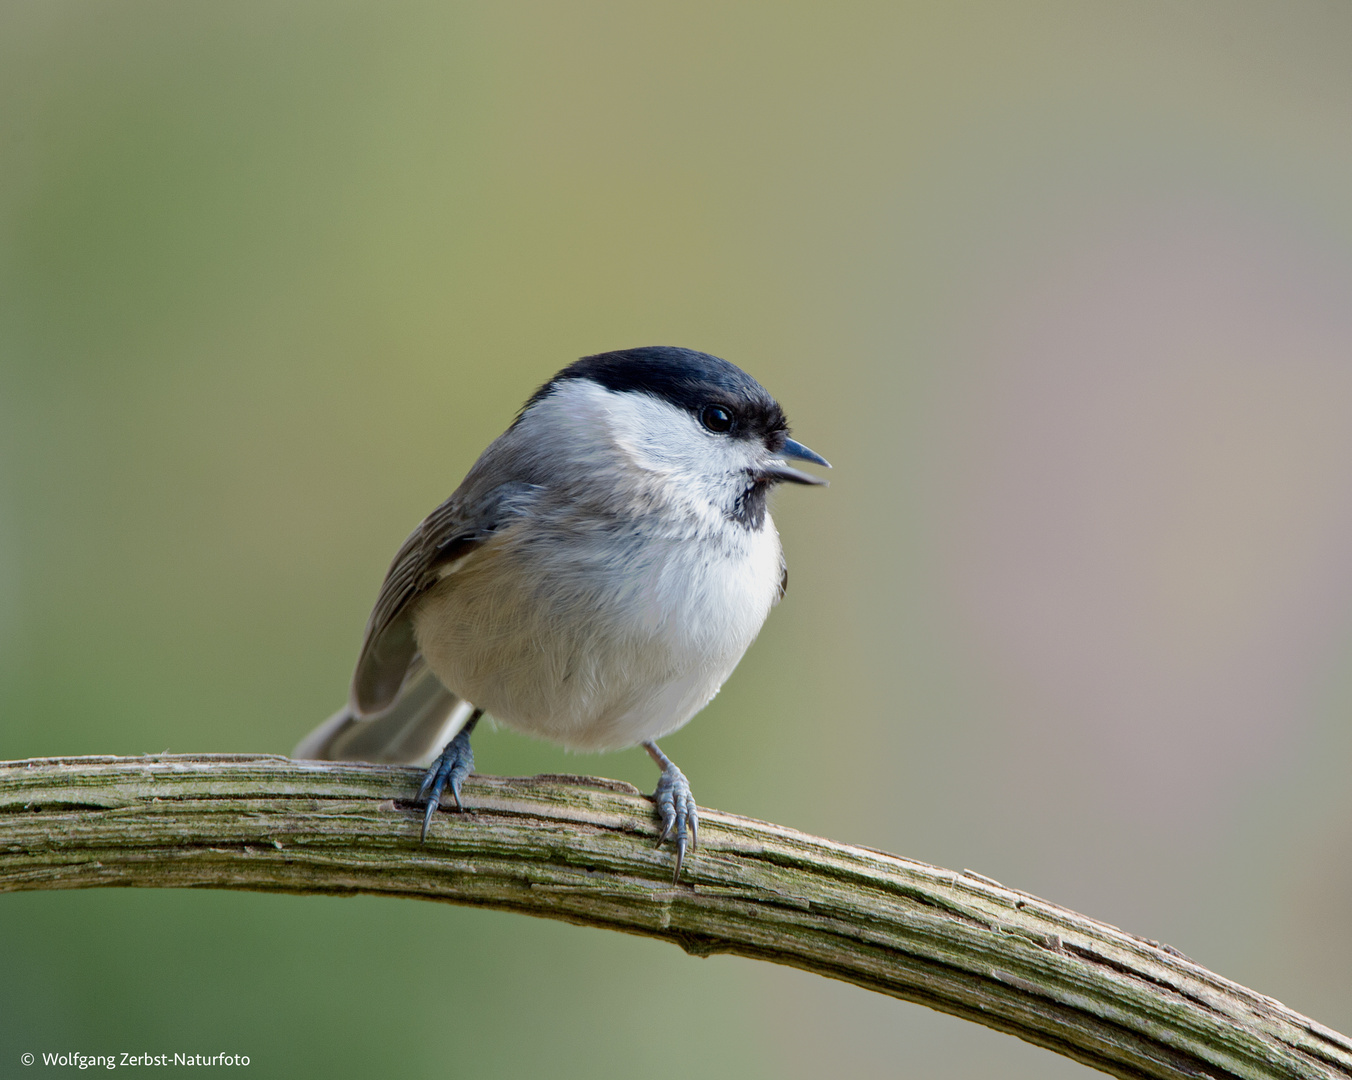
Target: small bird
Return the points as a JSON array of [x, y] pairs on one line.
[[593, 581]]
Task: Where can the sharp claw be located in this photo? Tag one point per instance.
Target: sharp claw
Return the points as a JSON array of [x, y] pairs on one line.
[[676, 810], [455, 763], [427, 818]]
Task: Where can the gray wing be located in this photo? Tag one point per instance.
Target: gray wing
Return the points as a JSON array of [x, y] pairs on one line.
[[450, 532], [398, 710]]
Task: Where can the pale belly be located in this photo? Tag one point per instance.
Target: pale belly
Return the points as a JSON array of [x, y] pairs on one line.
[[599, 656]]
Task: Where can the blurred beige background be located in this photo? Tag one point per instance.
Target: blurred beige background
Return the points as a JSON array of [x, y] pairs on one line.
[[1064, 291]]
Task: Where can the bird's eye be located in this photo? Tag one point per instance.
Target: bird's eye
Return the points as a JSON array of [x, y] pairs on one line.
[[716, 418]]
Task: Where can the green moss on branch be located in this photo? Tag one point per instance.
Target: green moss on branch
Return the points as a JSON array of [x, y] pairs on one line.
[[583, 850]]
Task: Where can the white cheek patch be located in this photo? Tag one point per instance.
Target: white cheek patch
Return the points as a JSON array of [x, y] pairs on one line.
[[663, 438], [629, 434]]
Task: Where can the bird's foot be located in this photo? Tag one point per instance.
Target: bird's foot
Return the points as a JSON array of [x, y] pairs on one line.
[[676, 809], [455, 763]]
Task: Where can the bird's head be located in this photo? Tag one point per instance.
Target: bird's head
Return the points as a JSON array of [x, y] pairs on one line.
[[709, 432]]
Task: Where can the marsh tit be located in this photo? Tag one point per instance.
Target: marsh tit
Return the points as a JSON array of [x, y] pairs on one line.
[[592, 581]]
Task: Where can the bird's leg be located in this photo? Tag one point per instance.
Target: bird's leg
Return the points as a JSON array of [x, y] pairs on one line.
[[455, 763], [676, 807]]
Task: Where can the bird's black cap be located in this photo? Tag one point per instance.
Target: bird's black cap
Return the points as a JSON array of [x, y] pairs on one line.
[[687, 379]]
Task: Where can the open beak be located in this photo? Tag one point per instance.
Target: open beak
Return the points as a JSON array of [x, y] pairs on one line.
[[797, 450], [781, 471]]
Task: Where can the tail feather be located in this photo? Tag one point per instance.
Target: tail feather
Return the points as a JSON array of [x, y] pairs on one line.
[[421, 720]]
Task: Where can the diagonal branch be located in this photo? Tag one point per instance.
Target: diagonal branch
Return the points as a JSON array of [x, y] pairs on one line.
[[582, 850]]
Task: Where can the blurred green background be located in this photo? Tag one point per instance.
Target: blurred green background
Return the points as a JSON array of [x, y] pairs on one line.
[[1064, 291]]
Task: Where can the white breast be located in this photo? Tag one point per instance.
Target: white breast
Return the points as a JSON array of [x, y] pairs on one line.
[[598, 660], [601, 626]]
